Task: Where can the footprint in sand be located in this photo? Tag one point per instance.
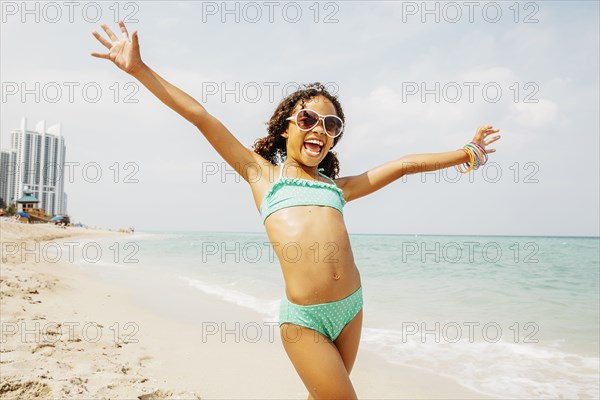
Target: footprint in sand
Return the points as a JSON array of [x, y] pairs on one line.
[[3, 356], [12, 284], [142, 360], [46, 349], [79, 386]]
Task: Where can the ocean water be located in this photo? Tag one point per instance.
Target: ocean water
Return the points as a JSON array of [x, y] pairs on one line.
[[515, 317]]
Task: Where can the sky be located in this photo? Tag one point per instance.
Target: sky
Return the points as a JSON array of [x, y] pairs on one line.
[[412, 77]]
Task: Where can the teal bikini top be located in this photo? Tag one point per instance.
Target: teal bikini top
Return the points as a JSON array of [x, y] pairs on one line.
[[290, 192]]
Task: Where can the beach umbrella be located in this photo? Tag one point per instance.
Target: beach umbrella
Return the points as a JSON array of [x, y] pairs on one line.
[[57, 218], [23, 214]]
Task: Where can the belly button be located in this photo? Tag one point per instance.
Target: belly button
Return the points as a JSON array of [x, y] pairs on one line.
[[336, 276]]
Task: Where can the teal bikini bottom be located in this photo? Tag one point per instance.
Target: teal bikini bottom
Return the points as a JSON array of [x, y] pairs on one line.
[[326, 318]]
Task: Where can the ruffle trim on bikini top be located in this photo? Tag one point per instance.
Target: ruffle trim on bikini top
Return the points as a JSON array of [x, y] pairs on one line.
[[305, 182]]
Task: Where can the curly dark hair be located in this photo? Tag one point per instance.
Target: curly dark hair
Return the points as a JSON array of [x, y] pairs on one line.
[[272, 147]]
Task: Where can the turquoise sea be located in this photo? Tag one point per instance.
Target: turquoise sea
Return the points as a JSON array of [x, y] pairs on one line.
[[514, 317]]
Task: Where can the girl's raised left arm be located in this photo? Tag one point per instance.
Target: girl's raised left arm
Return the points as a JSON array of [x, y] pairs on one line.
[[374, 179]]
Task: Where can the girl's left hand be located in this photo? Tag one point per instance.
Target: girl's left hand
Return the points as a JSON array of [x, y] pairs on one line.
[[481, 137]]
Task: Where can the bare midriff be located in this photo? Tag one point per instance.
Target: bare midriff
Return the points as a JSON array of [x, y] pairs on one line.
[[313, 248]]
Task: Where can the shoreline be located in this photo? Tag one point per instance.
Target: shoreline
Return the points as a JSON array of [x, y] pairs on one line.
[[102, 340]]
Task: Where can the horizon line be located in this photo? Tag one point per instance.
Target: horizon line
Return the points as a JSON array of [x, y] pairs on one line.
[[385, 234]]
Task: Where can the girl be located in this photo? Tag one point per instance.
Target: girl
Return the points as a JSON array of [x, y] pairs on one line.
[[321, 313]]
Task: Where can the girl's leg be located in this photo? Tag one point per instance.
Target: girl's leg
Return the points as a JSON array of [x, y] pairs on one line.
[[318, 362], [348, 340]]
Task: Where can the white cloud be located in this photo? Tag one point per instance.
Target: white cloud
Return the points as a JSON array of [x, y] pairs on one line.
[[543, 114]]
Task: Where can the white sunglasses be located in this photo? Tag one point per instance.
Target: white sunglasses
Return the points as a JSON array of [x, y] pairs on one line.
[[307, 119]]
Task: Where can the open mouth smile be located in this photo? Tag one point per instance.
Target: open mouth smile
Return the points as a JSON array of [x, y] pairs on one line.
[[313, 147]]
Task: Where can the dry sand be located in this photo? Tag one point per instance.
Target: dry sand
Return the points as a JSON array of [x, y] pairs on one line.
[[59, 336]]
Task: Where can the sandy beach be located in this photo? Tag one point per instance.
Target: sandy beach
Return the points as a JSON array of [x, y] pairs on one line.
[[66, 334], [57, 340]]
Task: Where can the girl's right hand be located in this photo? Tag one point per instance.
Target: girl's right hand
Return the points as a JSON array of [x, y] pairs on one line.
[[124, 53]]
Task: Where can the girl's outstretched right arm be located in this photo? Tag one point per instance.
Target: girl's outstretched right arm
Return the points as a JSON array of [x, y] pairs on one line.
[[125, 54]]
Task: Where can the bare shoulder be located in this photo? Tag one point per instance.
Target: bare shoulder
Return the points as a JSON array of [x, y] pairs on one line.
[[261, 177]]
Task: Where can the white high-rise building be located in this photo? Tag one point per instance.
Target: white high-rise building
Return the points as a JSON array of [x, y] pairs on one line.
[[7, 176], [39, 165]]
